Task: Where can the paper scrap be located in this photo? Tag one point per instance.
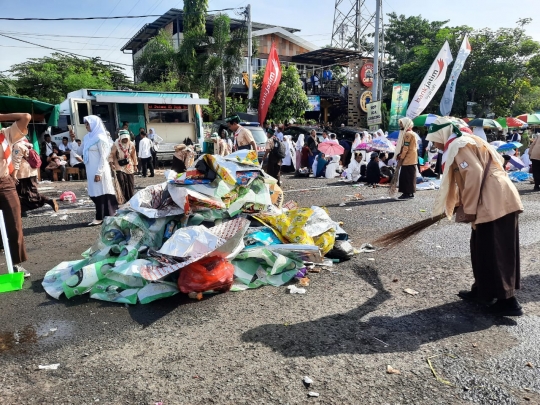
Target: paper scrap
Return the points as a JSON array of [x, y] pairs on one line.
[[411, 291], [392, 370], [49, 366]]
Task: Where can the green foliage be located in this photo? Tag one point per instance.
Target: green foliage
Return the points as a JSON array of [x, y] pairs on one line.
[[7, 86], [156, 61], [501, 74], [290, 100], [233, 104], [50, 78]]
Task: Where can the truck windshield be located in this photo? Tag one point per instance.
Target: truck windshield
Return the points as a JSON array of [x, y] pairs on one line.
[[258, 134]]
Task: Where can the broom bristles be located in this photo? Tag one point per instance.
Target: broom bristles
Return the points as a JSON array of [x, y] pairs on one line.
[[401, 235]]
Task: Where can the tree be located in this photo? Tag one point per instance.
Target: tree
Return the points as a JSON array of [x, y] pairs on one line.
[[50, 78], [156, 62], [500, 73], [290, 100], [7, 86]]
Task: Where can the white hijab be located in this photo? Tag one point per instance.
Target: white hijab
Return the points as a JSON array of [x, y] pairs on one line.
[[407, 126], [357, 141], [97, 133], [300, 142]]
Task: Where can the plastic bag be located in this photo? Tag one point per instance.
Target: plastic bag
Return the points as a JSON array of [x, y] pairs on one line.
[[342, 250], [210, 273]]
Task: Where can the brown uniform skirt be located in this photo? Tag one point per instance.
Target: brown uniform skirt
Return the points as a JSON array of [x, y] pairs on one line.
[[407, 179], [11, 208], [495, 258]]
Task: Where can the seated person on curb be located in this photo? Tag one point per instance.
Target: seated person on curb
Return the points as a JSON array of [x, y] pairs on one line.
[[75, 159], [65, 147], [373, 172], [56, 161], [354, 168]]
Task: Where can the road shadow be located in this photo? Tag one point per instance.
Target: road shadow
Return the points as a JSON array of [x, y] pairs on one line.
[[360, 203], [349, 333], [52, 228], [528, 191]]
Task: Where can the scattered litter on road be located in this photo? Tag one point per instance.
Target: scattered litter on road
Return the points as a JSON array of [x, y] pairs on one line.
[[438, 247], [410, 291], [348, 209], [367, 248], [53, 329], [342, 204], [530, 365], [304, 282], [63, 217], [195, 296], [313, 394], [371, 259], [49, 366], [474, 345], [395, 280], [295, 290], [307, 381], [422, 210], [392, 370], [442, 380]]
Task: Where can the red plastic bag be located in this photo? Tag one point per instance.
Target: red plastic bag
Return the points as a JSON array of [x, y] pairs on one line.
[[210, 273]]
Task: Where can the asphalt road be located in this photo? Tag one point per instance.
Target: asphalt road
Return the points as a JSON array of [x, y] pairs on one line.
[[254, 347]]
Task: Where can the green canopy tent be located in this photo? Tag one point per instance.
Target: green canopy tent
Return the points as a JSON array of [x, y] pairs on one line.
[[51, 112], [10, 104]]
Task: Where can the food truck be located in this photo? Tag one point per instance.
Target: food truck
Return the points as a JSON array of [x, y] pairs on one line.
[[175, 117]]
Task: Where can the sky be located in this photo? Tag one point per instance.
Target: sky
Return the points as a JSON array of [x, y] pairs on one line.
[[104, 38]]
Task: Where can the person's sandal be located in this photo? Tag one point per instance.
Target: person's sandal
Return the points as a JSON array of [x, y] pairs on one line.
[[19, 269], [95, 222]]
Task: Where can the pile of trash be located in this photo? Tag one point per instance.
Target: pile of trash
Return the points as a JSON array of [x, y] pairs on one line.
[[222, 225]]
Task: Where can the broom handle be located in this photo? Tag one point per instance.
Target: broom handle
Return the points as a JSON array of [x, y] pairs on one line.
[[5, 241], [395, 179]]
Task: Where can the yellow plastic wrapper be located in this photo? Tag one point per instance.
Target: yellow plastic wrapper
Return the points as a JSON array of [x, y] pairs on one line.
[[326, 241], [276, 195], [222, 172]]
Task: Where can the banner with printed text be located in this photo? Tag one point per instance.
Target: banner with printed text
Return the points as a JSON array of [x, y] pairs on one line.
[[400, 102], [270, 83], [432, 81], [450, 91]]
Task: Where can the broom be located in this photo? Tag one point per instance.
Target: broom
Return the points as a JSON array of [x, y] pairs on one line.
[[401, 235], [395, 178], [118, 189]]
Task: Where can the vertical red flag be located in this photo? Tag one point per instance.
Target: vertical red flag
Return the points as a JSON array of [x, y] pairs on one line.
[[270, 83]]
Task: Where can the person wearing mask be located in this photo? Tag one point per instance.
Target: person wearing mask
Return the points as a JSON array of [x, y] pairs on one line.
[[10, 204], [123, 160], [96, 150], [145, 155], [534, 156], [477, 188], [243, 136], [26, 179], [407, 154], [125, 127]]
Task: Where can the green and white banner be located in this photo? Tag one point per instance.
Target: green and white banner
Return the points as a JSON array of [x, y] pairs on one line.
[[400, 103]]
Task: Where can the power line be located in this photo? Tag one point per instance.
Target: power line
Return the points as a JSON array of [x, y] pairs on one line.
[[99, 18], [59, 50], [58, 35], [102, 22], [60, 40]]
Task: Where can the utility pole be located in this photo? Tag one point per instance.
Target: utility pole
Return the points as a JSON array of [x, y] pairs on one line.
[[376, 52], [250, 53]]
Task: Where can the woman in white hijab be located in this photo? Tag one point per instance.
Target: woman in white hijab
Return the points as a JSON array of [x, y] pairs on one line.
[[96, 151], [357, 141], [475, 182], [298, 146], [289, 161]]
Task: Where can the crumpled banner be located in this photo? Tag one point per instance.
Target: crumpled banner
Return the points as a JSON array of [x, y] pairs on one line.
[[189, 198], [260, 266], [133, 228], [257, 237], [191, 241], [319, 222], [258, 194], [234, 229], [155, 202], [290, 227], [244, 156]]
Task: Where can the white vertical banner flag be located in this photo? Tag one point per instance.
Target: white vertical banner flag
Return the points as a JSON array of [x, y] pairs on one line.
[[450, 91], [431, 83]]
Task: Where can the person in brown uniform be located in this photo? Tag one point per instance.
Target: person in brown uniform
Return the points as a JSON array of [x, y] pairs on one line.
[[9, 199], [476, 186], [243, 137], [273, 166], [407, 153]]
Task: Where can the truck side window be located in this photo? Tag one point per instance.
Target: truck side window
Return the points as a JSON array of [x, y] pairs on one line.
[[82, 109]]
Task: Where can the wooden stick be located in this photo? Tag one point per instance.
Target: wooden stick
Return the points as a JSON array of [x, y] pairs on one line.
[[393, 184]]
